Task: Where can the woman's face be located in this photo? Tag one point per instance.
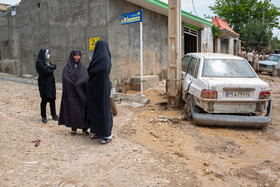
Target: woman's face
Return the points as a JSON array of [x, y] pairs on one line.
[[77, 58]]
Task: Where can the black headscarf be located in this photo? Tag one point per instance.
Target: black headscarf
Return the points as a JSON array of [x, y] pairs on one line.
[[99, 89], [42, 55], [101, 59], [75, 73], [74, 94]]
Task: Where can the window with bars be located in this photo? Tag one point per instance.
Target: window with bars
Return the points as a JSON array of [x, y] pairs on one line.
[[190, 31]]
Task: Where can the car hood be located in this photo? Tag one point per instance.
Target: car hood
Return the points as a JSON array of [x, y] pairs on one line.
[[215, 83], [268, 62]]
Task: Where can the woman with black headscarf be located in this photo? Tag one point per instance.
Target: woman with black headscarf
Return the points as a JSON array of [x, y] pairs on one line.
[[99, 89], [46, 83], [74, 94]]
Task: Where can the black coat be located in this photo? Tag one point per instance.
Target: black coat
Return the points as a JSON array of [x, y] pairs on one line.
[[74, 94], [99, 89], [46, 80]]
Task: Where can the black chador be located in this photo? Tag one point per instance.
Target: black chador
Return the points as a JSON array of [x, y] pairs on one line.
[[74, 94], [99, 89]]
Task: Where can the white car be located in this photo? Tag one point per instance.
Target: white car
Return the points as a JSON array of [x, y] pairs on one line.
[[224, 90]]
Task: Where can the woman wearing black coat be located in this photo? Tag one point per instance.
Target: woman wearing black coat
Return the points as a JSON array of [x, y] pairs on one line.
[[46, 83], [98, 97]]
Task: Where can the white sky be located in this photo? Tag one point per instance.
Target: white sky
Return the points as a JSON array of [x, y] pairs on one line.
[[201, 8]]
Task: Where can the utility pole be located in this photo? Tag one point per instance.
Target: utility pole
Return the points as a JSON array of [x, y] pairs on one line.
[[174, 53]]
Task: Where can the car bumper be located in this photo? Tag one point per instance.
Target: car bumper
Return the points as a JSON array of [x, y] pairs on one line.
[[265, 69], [232, 120]]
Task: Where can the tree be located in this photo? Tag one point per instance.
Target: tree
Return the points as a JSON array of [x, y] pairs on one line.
[[256, 35], [275, 43], [240, 12], [216, 31]]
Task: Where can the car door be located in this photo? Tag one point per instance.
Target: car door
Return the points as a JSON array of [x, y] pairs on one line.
[[192, 72], [185, 63]]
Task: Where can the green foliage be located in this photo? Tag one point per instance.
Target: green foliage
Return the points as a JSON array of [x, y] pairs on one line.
[[239, 12], [216, 31], [246, 18], [275, 43], [207, 17], [256, 35]]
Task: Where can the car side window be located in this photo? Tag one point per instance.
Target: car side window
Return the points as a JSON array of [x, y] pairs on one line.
[[191, 67], [185, 62], [196, 69]]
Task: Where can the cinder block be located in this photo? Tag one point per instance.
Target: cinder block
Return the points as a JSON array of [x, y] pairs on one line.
[[132, 98], [149, 81]]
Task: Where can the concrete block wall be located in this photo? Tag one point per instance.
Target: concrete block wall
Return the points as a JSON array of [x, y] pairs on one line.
[[63, 25], [207, 40], [4, 37], [149, 81], [124, 42], [60, 26]]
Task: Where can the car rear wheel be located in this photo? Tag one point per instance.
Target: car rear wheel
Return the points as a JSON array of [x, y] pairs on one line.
[[188, 107]]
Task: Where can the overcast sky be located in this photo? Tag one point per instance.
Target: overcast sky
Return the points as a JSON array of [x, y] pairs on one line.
[[196, 7]]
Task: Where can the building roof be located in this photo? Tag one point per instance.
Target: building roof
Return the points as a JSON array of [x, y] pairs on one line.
[[224, 27], [160, 7]]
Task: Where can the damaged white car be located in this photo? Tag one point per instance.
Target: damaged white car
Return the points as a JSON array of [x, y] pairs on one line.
[[224, 90]]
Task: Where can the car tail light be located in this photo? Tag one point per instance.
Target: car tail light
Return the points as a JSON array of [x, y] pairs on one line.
[[209, 94], [264, 94]]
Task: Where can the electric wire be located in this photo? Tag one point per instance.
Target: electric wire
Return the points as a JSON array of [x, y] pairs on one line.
[[194, 8]]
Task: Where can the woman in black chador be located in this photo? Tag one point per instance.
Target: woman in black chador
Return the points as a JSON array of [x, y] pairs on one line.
[[46, 83], [74, 94], [99, 89]]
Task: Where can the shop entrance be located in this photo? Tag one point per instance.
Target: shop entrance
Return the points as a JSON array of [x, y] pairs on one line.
[[190, 40]]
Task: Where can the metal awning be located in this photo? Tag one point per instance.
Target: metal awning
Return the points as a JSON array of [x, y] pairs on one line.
[[162, 8]]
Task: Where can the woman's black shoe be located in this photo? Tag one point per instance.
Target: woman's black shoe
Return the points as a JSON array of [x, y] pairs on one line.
[[55, 117], [44, 120], [73, 131], [85, 132]]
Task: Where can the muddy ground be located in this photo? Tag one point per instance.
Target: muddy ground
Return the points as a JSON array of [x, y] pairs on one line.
[[144, 151]]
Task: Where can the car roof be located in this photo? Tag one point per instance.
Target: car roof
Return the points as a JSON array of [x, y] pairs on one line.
[[215, 56], [275, 55]]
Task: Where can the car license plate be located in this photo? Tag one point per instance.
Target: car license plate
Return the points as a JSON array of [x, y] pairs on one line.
[[237, 94]]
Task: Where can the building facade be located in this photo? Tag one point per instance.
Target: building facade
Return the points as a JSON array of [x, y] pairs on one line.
[[228, 42], [63, 25]]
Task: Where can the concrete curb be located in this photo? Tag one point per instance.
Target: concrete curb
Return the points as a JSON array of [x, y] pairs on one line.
[[32, 81]]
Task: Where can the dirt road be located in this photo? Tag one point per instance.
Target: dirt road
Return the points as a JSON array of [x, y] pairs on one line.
[[144, 151]]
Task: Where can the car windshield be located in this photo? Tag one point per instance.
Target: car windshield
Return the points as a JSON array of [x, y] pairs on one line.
[[273, 58], [227, 68]]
